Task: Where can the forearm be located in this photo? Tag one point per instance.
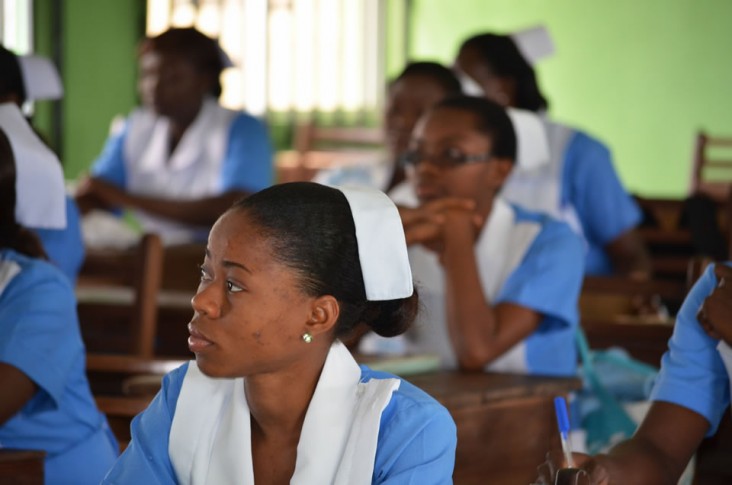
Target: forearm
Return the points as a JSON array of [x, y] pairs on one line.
[[471, 319], [23, 390], [203, 212], [639, 462], [629, 255]]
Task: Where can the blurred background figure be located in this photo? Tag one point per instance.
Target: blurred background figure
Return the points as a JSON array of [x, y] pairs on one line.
[[34, 78], [181, 159], [576, 181], [46, 403], [414, 91]]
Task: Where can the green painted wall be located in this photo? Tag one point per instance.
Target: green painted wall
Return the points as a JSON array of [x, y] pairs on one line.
[[643, 76], [99, 70]]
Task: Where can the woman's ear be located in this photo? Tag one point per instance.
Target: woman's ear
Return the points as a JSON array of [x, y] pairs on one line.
[[324, 313]]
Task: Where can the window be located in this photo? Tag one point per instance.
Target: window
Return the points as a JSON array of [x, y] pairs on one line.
[[16, 20], [294, 56]]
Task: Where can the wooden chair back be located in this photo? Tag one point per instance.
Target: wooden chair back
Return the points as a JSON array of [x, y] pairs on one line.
[[712, 172], [317, 147], [138, 270], [310, 137]]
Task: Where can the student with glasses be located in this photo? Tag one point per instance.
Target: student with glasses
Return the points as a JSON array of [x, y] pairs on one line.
[[499, 284]]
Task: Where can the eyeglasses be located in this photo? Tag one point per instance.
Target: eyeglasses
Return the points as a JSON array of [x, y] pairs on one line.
[[450, 158]]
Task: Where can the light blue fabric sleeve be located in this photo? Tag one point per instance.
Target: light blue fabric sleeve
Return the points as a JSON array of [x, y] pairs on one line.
[[549, 278], [38, 334], [605, 210], [65, 247], [146, 459], [548, 281], [417, 439], [110, 165], [692, 372], [248, 163]]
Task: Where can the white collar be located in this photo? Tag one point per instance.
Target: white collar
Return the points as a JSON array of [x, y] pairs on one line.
[[210, 438]]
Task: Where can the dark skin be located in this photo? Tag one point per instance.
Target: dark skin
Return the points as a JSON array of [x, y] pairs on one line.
[[408, 99], [174, 88], [249, 317], [23, 390], [454, 204], [627, 252], [670, 434]]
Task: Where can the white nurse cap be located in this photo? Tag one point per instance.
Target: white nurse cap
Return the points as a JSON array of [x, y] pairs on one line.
[[535, 43], [39, 184], [382, 247], [40, 78]]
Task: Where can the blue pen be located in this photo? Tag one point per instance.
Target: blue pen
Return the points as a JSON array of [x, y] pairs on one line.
[[560, 406]]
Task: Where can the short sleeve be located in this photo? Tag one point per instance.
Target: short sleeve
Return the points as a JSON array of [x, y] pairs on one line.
[[591, 185], [248, 163], [146, 459], [549, 278], [39, 331], [65, 247], [692, 372], [416, 445], [110, 165]]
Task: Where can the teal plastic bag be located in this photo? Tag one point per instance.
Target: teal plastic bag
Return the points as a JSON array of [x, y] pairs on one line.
[[607, 423]]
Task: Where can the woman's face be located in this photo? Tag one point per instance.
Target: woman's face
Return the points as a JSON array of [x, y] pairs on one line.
[[446, 135], [249, 312], [409, 98], [171, 85], [497, 89]]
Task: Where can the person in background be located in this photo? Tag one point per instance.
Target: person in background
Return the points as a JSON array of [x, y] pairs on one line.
[[24, 78], [46, 403], [418, 87], [273, 396], [499, 284], [690, 396], [577, 182], [181, 159]]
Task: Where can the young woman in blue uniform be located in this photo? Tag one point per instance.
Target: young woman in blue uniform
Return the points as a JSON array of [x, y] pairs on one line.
[[419, 86], [181, 159], [62, 242], [576, 182], [46, 403], [273, 396], [499, 284]]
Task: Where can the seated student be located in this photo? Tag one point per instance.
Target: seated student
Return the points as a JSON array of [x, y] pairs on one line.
[[577, 183], [181, 159], [273, 396], [19, 83], [691, 394], [419, 86], [499, 284], [45, 403]]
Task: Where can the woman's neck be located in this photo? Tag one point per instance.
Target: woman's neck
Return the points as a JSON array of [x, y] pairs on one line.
[[179, 124], [278, 403]]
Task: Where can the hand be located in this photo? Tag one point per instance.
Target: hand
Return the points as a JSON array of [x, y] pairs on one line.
[[102, 193], [715, 315], [588, 470], [425, 224]]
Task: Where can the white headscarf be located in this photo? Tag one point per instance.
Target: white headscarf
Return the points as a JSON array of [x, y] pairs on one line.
[[40, 195]]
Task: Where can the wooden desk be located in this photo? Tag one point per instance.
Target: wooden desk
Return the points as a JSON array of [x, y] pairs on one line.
[[505, 423], [21, 467]]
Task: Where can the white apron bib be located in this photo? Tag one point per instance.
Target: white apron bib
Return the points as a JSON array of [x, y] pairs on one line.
[[210, 438]]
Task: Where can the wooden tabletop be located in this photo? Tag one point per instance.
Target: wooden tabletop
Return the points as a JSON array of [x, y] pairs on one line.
[[461, 389]]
